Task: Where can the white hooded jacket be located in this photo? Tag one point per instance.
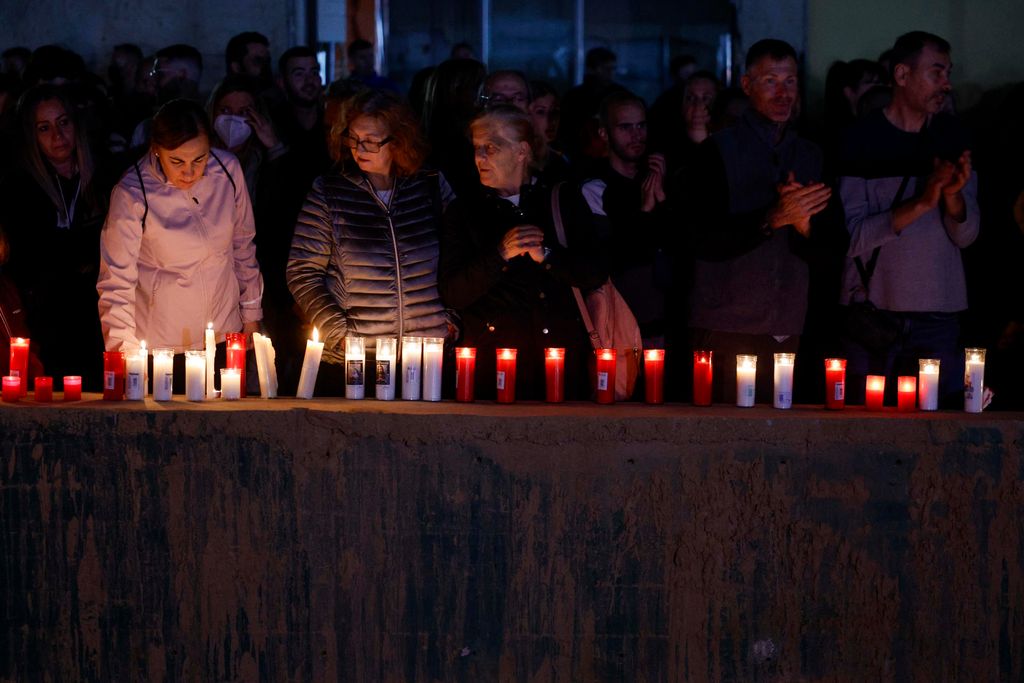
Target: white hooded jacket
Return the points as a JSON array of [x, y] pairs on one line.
[[192, 262]]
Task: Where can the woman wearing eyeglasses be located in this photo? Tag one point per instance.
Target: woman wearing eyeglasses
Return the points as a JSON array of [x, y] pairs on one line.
[[364, 256]]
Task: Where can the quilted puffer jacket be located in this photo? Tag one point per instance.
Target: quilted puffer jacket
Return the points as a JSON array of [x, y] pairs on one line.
[[365, 266]]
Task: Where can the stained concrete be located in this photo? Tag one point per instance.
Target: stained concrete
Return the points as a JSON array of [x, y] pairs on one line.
[[334, 540]]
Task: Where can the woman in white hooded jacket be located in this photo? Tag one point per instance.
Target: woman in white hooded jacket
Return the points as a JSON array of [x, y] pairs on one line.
[[177, 248]]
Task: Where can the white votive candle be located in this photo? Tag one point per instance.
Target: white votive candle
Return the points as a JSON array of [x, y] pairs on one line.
[[746, 380], [433, 356], [412, 363], [928, 384], [230, 384], [211, 354], [195, 375], [974, 380], [163, 374], [310, 366], [387, 348], [783, 394], [355, 367], [135, 375]]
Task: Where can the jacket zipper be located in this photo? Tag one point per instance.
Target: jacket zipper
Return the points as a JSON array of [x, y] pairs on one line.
[[394, 249]]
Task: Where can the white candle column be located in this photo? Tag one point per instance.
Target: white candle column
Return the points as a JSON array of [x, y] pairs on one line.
[[135, 375], [412, 361], [928, 384], [433, 357], [211, 354], [974, 380], [355, 367], [783, 394], [746, 380], [163, 374], [195, 375], [387, 348], [310, 366]]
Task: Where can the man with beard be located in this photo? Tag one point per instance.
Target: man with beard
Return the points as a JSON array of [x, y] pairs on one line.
[[751, 194], [910, 198], [248, 53], [627, 200]]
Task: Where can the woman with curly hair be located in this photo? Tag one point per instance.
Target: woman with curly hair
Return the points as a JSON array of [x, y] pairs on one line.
[[365, 252]]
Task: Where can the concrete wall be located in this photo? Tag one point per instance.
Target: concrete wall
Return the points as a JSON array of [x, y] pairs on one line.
[[333, 540], [93, 27]]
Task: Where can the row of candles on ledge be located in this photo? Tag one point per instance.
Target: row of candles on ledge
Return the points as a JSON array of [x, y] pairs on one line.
[[125, 375]]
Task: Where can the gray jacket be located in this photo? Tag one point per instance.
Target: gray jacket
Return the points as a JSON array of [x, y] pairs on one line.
[[366, 265]]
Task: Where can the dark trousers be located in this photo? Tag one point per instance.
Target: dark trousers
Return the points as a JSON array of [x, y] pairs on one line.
[[922, 335], [725, 346]]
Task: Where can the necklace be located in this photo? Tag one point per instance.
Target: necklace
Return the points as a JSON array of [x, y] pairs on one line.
[[64, 222]]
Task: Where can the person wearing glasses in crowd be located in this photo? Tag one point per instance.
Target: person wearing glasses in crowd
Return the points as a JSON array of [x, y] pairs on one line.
[[365, 252]]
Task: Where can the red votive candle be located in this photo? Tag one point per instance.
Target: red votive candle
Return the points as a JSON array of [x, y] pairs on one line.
[[235, 348], [702, 378], [43, 389], [465, 373], [113, 375], [12, 388], [654, 375], [606, 375], [72, 388], [835, 383], [554, 375], [19, 362], [874, 392], [906, 394], [506, 377]]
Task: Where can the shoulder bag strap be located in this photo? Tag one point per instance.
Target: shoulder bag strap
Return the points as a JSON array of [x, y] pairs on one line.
[[867, 270], [556, 217]]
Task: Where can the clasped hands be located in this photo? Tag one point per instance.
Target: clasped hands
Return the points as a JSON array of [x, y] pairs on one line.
[[946, 181], [523, 239], [797, 204]]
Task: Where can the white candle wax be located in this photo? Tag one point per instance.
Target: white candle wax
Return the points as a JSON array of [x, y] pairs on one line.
[[783, 394], [412, 360], [230, 384], [310, 366], [974, 380], [746, 380], [355, 367], [195, 375], [163, 374], [433, 356], [211, 353], [135, 376], [386, 348], [928, 384]]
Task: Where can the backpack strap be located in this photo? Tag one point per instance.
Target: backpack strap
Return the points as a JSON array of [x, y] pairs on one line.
[[145, 199], [556, 217], [234, 188], [867, 270]]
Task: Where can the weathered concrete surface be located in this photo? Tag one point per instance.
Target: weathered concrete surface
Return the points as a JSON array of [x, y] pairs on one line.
[[334, 540]]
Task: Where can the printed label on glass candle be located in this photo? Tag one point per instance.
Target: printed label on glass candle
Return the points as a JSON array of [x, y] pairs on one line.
[[840, 392], [410, 373], [602, 381], [108, 380], [354, 373], [748, 391], [168, 383], [134, 381], [501, 380], [384, 372]]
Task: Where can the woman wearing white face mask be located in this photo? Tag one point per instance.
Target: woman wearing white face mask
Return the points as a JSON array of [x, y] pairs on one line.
[[242, 126]]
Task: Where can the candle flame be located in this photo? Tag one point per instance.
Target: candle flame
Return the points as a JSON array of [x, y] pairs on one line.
[[209, 325], [876, 383], [506, 354], [316, 335], [142, 345]]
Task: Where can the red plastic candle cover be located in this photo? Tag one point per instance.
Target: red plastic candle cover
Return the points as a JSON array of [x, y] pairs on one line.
[[702, 372], [43, 389], [606, 376], [113, 375], [906, 394], [654, 376], [465, 373], [874, 392], [506, 377], [72, 388], [554, 375], [835, 383], [19, 361], [235, 347], [11, 388]]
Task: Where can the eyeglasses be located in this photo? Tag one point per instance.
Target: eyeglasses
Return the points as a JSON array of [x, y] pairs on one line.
[[491, 99], [368, 146]]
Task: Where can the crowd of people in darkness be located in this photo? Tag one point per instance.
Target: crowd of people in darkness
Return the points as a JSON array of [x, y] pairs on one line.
[[134, 206]]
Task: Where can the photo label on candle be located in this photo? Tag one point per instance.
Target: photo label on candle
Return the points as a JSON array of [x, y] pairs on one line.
[[501, 380], [354, 373], [602, 381], [383, 372]]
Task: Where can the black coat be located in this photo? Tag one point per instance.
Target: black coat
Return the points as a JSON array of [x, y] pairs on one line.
[[521, 304]]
